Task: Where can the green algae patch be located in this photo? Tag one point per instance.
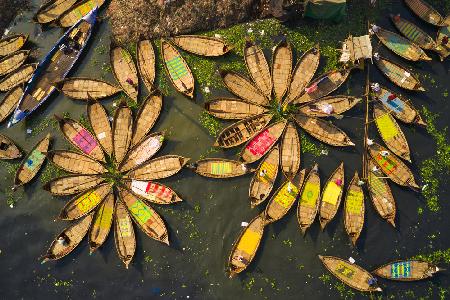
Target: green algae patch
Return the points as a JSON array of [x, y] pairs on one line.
[[210, 123], [436, 257]]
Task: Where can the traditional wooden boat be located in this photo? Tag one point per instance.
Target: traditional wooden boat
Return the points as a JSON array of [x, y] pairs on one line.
[[72, 184], [13, 61], [331, 196], [99, 120], [426, 12], [124, 237], [51, 10], [264, 178], [303, 73], [101, 225], [398, 74], [202, 45], [381, 194], [18, 77], [246, 245], [260, 144], [32, 163], [122, 131], [243, 88], [443, 42], [324, 131], [161, 167], [233, 109], [414, 33], [324, 85], [407, 270], [146, 63], [71, 16], [308, 203], [55, 66], [142, 152], [12, 43], [8, 150], [258, 68], [354, 209], [290, 152], [392, 166], [220, 168], [68, 240], [240, 132], [390, 132], [9, 102], [177, 69], [75, 162], [81, 88], [124, 71], [153, 192], [352, 275], [146, 116], [327, 106], [281, 69]]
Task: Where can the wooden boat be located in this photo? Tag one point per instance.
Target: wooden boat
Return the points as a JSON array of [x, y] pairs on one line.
[[9, 102], [258, 68], [443, 46], [177, 69], [407, 270], [260, 144], [303, 73], [85, 203], [124, 237], [13, 61], [352, 275], [309, 201], [122, 131], [324, 131], [12, 43], [146, 63], [319, 108], [264, 178], [51, 10], [390, 132], [240, 132], [32, 163], [68, 240], [281, 69], [75, 162], [153, 192], [246, 245], [101, 127], [398, 74], [220, 168], [101, 225], [243, 88], [72, 184], [324, 85], [426, 12], [233, 109], [55, 66], [142, 152], [145, 217], [331, 196], [18, 77], [290, 152], [124, 71], [161, 167], [8, 150], [81, 88], [380, 194], [202, 45], [354, 209], [414, 33], [146, 116], [392, 166], [71, 16]]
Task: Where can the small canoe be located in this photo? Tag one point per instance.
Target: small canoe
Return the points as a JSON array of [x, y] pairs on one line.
[[12, 43], [75, 13], [290, 152], [264, 178], [398, 74], [354, 209], [258, 68], [259, 145], [122, 131], [392, 166], [407, 270], [142, 152], [124, 237], [52, 10], [443, 46], [177, 69], [83, 204], [13, 61], [101, 225], [153, 192], [75, 162], [146, 63], [328, 106], [9, 102], [68, 240], [308, 203], [161, 167], [390, 132], [381, 194], [324, 131], [303, 73], [281, 69], [32, 163], [17, 77], [202, 45], [72, 184], [240, 132], [145, 217], [220, 168], [99, 120], [233, 109], [8, 150], [125, 71], [85, 88], [324, 85], [243, 88], [426, 12], [146, 116], [352, 275], [331, 196], [414, 33], [246, 245]]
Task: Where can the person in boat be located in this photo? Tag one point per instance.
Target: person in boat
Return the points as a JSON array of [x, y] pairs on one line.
[[244, 167], [338, 182], [63, 240], [325, 108], [4, 146], [375, 169], [444, 41], [384, 153], [131, 82], [372, 281]]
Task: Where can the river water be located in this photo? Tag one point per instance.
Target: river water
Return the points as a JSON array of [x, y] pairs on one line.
[[203, 227]]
